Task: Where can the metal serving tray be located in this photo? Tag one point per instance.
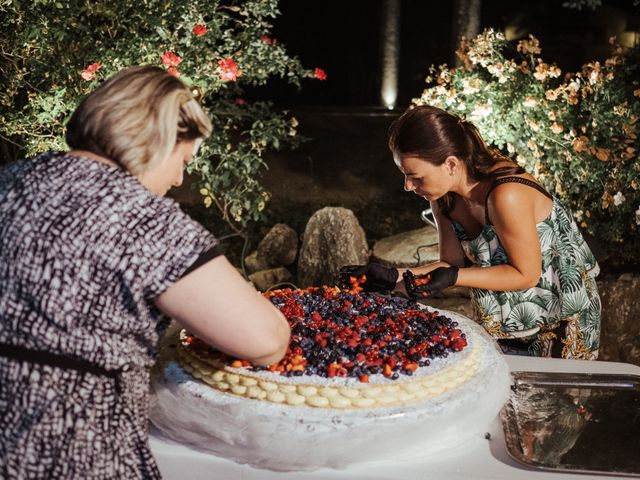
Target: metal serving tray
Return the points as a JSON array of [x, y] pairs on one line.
[[571, 422]]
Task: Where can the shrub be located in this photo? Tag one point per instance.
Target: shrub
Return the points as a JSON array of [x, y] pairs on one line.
[[59, 51], [577, 133]]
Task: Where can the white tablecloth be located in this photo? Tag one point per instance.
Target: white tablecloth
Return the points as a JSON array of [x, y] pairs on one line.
[[480, 458]]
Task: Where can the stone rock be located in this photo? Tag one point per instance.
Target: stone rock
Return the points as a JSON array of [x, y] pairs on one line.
[[265, 279], [620, 335], [408, 249], [333, 238], [253, 264], [279, 247]]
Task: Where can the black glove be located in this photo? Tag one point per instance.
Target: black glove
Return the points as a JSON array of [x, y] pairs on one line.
[[379, 277], [418, 286]]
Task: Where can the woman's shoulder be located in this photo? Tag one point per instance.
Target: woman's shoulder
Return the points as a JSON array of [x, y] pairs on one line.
[[512, 187], [101, 190], [23, 165], [99, 180], [515, 197], [507, 191]]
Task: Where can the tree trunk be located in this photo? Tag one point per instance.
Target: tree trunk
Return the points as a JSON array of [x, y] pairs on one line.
[[8, 152], [390, 41], [466, 23]]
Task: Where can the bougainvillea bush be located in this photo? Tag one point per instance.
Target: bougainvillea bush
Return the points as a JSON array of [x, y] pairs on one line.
[[54, 52], [576, 132]]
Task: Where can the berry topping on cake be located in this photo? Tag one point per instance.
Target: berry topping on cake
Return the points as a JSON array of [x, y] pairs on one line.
[[350, 333]]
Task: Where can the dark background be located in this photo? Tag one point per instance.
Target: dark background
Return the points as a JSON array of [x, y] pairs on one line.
[[346, 161], [343, 38]]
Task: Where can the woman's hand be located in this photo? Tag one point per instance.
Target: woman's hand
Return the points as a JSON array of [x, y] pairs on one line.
[[429, 268], [401, 287], [221, 308], [418, 286], [378, 276]]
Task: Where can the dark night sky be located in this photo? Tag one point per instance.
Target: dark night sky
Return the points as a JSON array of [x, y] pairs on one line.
[[342, 37]]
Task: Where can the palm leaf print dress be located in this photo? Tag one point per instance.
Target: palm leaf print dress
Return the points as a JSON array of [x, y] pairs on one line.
[[563, 309]]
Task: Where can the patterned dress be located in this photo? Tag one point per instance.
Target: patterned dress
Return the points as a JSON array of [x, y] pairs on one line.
[[562, 311], [84, 250]]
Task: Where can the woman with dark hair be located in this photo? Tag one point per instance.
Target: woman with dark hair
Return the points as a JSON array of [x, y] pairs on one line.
[[530, 272]]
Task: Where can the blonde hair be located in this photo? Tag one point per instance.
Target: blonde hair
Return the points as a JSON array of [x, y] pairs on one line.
[[136, 118]]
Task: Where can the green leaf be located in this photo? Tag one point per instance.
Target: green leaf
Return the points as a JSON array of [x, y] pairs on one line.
[[43, 89]]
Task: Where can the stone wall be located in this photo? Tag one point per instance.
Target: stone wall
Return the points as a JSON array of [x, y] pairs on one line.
[[620, 338]]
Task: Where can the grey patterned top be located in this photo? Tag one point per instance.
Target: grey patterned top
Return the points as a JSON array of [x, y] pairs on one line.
[[84, 250]]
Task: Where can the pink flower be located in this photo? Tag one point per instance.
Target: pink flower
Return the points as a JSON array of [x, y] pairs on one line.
[[199, 30], [320, 74], [228, 70], [170, 59], [173, 72], [89, 72], [239, 101], [267, 40]]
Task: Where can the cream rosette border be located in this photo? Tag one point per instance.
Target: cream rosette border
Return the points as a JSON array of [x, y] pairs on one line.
[[442, 376], [282, 437]]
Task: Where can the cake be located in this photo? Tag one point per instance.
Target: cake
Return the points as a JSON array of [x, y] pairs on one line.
[[366, 378], [348, 350]]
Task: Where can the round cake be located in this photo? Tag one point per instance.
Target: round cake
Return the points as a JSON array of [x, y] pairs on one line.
[[364, 375], [348, 350]]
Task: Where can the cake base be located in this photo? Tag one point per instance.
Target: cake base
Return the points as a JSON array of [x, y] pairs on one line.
[[285, 438]]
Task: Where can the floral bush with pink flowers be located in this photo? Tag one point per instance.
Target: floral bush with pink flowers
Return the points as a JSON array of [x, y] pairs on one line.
[[58, 51], [577, 131]]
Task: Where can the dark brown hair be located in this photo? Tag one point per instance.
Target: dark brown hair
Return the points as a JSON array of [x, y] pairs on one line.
[[433, 134]]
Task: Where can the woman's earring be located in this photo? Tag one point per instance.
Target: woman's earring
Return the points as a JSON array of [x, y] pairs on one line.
[[453, 172]]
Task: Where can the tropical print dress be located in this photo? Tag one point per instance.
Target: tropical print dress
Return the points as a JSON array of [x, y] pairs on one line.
[[562, 312]]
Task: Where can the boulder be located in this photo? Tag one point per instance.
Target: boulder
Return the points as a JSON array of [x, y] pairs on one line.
[[408, 249], [333, 238], [265, 279], [253, 264], [620, 335], [279, 247]]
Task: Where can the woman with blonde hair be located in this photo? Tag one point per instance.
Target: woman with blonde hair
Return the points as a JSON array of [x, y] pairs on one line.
[[531, 274], [93, 259]]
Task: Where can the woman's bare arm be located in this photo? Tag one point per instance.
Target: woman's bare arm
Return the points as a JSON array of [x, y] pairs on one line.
[[511, 208], [221, 308], [449, 247]]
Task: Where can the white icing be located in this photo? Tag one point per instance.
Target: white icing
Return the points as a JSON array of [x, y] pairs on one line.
[[291, 435]]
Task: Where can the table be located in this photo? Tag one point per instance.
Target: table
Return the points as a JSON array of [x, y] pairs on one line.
[[480, 458]]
